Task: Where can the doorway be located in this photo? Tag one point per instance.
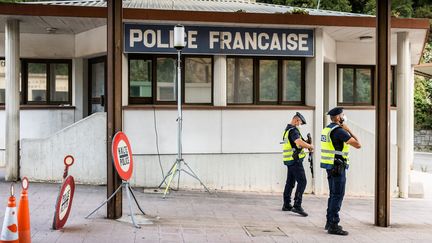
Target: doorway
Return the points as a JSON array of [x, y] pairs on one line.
[[97, 83]]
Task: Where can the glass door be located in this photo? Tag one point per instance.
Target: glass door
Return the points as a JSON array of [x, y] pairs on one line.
[[97, 78]]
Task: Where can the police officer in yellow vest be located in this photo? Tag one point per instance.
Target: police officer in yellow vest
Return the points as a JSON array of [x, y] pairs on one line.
[[293, 155], [335, 141]]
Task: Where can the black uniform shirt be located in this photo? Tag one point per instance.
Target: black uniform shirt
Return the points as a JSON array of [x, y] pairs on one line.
[[339, 136], [293, 135]]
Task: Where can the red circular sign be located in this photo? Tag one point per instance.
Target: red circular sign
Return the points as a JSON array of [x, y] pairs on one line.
[[68, 160], [64, 203], [122, 154]]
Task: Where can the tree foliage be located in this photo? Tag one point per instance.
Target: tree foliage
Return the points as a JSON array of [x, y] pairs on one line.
[[422, 103], [401, 9]]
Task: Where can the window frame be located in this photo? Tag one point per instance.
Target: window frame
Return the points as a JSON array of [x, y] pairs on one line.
[[47, 62], [393, 98], [256, 81], [153, 100], [3, 59], [393, 101], [372, 84]]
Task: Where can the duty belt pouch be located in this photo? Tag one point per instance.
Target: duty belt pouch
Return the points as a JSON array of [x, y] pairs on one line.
[[296, 154], [338, 167]]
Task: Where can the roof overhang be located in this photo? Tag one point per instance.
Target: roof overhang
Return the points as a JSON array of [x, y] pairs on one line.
[[205, 16], [424, 70], [86, 17]]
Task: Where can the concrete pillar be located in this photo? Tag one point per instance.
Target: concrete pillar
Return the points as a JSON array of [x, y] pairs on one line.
[[330, 88], [12, 102], [77, 88], [125, 80], [405, 129], [220, 74], [315, 97]]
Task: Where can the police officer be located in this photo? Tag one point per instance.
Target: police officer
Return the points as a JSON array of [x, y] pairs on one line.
[[335, 141], [293, 156]]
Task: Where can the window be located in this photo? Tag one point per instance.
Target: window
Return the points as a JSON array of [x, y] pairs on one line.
[[276, 81], [140, 79], [47, 81], [166, 79], [240, 80], [268, 80], [292, 81], [2, 81], [355, 85], [153, 79], [198, 80]]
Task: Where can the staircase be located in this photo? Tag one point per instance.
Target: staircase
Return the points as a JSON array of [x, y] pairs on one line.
[[42, 159]]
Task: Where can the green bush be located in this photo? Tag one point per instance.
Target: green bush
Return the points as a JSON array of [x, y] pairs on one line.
[[422, 103]]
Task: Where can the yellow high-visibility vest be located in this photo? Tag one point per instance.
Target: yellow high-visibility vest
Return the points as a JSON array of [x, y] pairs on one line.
[[328, 151], [288, 150]]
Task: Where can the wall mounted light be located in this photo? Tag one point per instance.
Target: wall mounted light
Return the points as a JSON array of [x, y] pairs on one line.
[[51, 30], [366, 38]]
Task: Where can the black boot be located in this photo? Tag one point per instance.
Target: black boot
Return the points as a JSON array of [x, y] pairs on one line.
[[327, 226], [300, 211], [335, 229], [287, 207]]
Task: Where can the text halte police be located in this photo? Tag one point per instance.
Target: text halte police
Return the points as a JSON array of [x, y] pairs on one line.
[[225, 40]]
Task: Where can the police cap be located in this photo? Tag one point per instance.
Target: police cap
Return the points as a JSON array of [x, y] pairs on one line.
[[301, 117], [335, 111]]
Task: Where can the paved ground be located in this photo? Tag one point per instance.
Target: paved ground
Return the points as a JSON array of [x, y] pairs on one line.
[[190, 216]]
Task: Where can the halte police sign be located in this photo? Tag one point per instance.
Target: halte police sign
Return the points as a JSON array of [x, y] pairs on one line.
[[141, 38]]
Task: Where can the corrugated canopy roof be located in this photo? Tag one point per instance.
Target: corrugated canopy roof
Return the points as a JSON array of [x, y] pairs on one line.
[[201, 5]]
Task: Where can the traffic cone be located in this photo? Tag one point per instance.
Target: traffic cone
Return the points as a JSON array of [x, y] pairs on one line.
[[24, 215], [10, 228]]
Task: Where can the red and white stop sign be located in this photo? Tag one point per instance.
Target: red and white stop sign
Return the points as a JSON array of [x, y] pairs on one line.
[[122, 154], [64, 203]]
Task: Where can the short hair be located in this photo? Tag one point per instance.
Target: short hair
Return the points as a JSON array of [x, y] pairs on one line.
[[333, 118]]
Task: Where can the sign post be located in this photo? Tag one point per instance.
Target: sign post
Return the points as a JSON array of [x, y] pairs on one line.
[[123, 162], [65, 197]]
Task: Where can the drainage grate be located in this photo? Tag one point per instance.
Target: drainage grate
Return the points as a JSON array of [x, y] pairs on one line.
[[255, 231]]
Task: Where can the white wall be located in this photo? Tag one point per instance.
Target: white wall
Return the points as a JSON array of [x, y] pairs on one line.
[[37, 124], [366, 120], [329, 48], [42, 158], [210, 131], [43, 45], [91, 43], [361, 175], [229, 149], [361, 52]]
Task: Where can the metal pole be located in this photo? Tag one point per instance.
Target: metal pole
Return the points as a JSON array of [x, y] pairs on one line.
[[179, 108], [382, 123]]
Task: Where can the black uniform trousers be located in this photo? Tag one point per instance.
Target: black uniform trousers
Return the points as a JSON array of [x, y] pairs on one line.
[[296, 173], [337, 193]]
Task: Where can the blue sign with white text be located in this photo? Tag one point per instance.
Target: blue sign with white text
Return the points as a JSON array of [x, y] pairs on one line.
[[142, 38]]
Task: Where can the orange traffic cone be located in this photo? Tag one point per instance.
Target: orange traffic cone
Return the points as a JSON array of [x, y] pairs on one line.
[[24, 215], [10, 228]]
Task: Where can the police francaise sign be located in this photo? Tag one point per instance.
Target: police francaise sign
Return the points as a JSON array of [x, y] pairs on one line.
[[142, 38]]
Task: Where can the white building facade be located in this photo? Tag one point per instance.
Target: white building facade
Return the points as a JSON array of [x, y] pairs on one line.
[[238, 95]]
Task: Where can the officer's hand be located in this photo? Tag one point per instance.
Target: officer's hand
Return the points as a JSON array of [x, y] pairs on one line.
[[345, 127], [311, 148]]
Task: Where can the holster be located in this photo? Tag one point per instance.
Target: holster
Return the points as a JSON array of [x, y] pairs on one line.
[[338, 167], [296, 154]]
